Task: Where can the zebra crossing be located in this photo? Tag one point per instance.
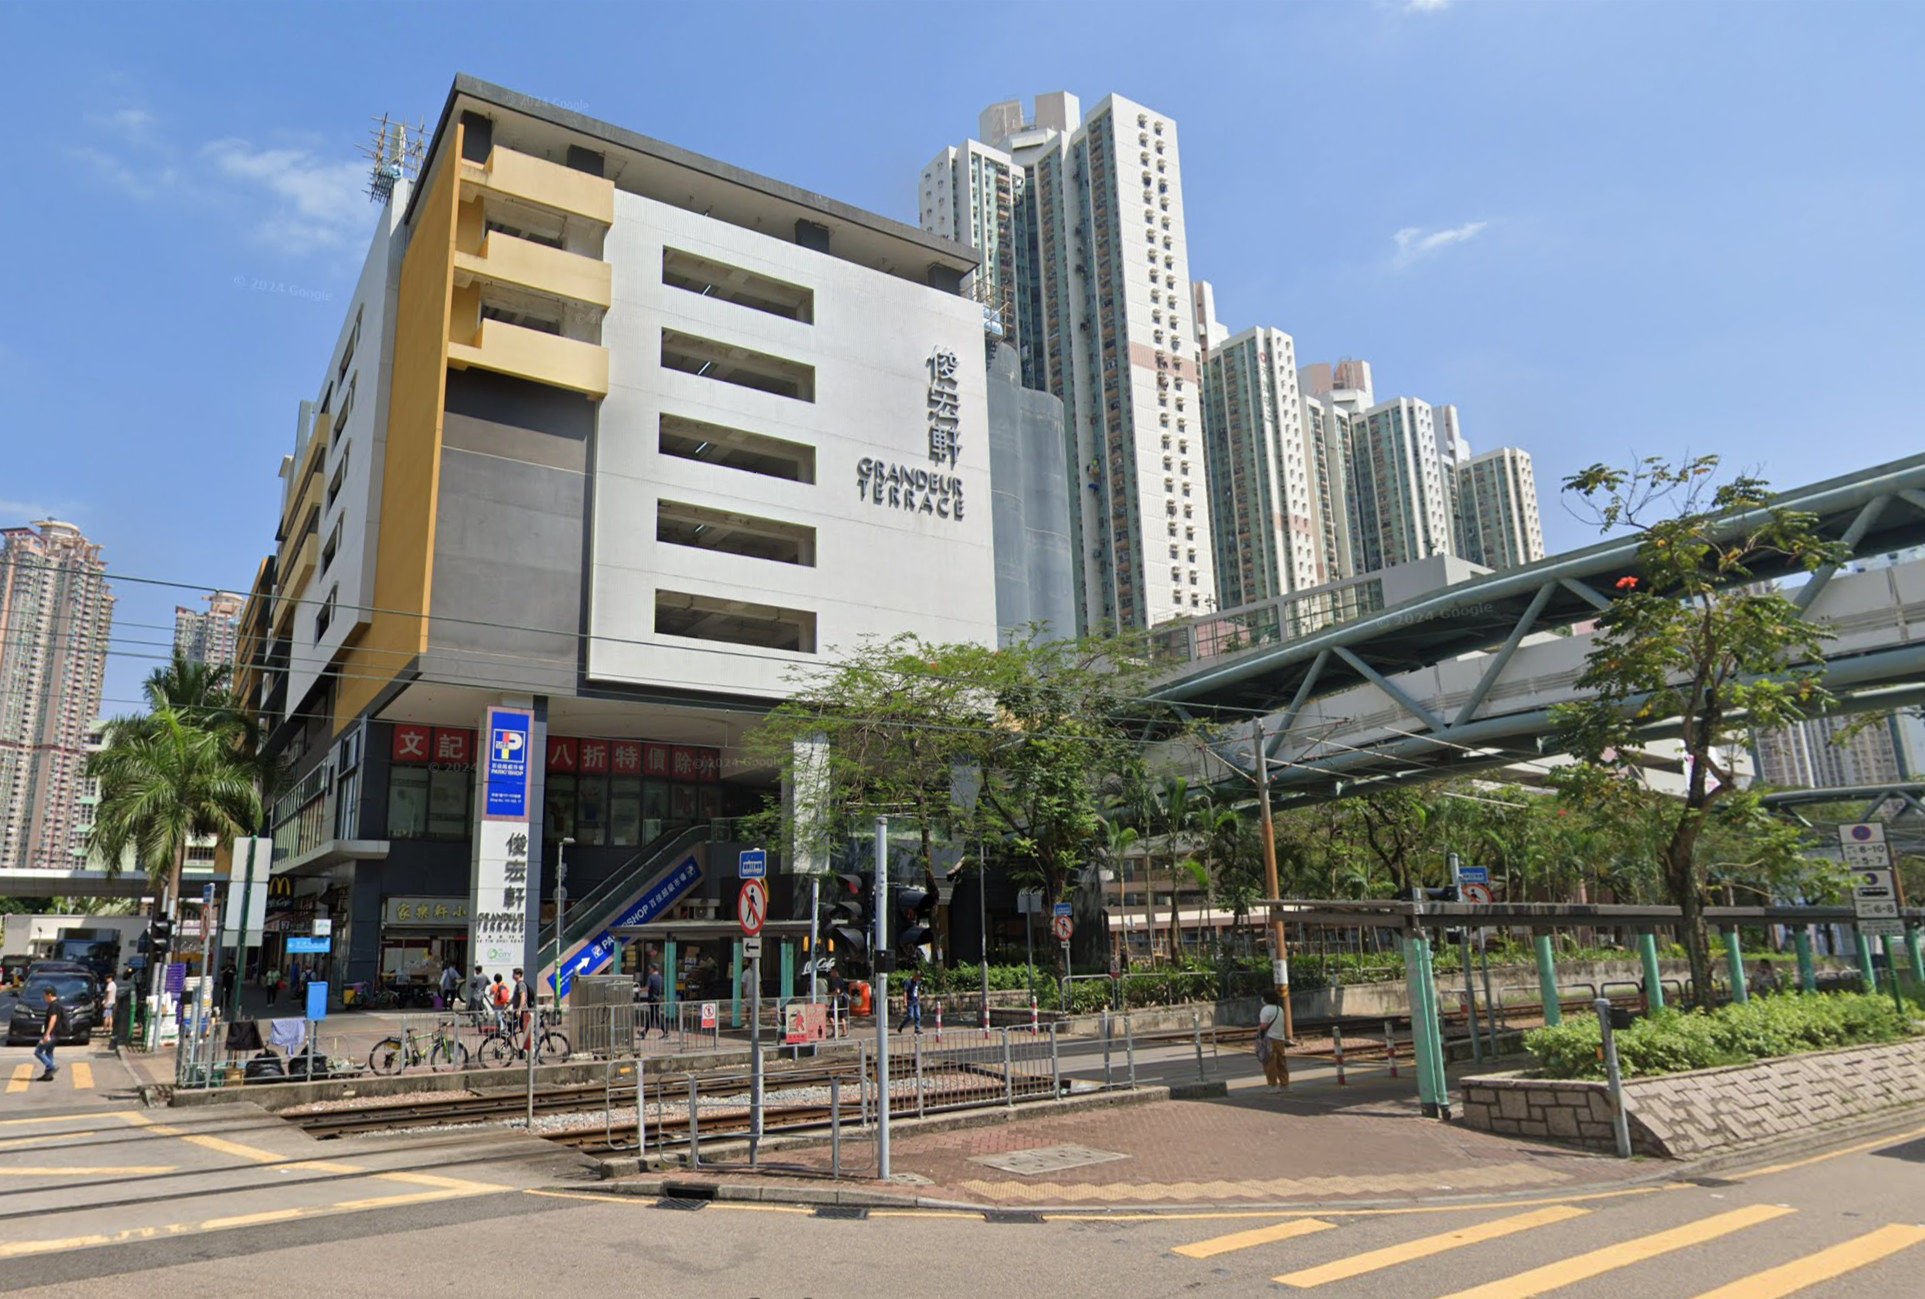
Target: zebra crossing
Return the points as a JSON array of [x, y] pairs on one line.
[[1549, 1248]]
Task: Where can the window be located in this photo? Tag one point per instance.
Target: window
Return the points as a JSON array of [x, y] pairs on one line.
[[734, 622], [354, 336], [591, 809], [625, 811], [325, 617], [339, 476], [333, 545], [727, 363], [733, 448], [681, 524], [347, 404], [558, 808], [744, 288]]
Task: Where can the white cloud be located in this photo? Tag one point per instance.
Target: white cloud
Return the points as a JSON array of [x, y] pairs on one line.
[[14, 514], [1425, 6], [314, 204], [1414, 243], [132, 124]]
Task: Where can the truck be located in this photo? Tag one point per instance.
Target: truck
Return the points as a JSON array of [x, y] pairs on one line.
[[97, 949]]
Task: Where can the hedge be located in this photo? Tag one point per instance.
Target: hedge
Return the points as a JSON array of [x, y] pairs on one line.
[[1759, 1029]]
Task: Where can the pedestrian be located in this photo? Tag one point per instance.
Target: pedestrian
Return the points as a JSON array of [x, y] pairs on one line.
[[912, 1004], [521, 1002], [652, 992], [1270, 1039], [110, 998], [229, 976], [477, 990], [450, 980], [271, 984], [48, 1036]]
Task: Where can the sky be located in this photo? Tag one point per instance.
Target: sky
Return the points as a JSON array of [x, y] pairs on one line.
[[1602, 230]]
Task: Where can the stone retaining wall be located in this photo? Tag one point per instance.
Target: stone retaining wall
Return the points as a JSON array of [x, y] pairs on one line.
[[1682, 1115]]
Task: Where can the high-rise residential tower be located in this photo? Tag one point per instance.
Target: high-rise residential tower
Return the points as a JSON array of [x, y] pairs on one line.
[[1104, 323], [1400, 510], [55, 615], [208, 636], [1495, 509]]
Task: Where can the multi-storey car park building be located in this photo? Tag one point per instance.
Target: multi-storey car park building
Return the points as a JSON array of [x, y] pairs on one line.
[[615, 441], [1103, 320], [55, 615]]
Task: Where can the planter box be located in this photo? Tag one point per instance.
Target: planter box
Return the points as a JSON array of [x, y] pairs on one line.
[[1683, 1115]]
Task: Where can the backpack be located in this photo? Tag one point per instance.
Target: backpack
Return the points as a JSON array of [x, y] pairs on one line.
[[501, 995]]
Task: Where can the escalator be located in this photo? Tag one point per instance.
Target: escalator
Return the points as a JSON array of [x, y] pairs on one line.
[[643, 888]]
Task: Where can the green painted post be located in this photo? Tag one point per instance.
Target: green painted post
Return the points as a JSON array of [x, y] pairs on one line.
[[1866, 966], [1438, 1071], [1547, 981], [1895, 961], [1734, 964], [786, 989], [1913, 937], [1419, 1027], [1653, 977], [735, 987], [668, 980], [1807, 969]]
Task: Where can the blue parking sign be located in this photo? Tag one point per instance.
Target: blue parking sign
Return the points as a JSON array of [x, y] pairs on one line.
[[752, 864]]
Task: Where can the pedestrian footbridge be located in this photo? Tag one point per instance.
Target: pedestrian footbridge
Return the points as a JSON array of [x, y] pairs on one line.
[[1465, 678]]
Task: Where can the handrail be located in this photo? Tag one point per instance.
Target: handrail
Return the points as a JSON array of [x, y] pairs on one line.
[[591, 911]]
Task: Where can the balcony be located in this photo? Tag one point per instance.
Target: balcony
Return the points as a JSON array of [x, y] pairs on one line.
[[524, 178], [533, 355], [523, 264]]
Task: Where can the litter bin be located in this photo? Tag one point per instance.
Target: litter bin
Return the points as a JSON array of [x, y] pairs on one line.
[[123, 1013]]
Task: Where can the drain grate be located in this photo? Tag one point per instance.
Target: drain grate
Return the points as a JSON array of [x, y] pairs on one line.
[[1018, 1216], [1710, 1181], [684, 1206], [844, 1212], [1046, 1159]]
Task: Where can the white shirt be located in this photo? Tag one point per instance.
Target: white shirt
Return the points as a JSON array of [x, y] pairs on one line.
[[1267, 1019]]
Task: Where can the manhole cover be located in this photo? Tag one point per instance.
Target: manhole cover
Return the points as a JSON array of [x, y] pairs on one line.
[[1046, 1159]]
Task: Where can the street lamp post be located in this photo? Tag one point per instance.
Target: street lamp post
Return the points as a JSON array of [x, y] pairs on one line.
[[561, 912]]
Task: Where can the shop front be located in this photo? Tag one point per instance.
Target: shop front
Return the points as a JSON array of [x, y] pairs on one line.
[[419, 935]]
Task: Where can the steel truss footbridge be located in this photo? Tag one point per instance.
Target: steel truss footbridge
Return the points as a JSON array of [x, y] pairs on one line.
[[1464, 679]]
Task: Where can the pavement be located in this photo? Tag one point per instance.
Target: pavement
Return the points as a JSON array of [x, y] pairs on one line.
[[1843, 1224]]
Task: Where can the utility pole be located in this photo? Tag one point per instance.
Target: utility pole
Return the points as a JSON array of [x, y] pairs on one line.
[[882, 962], [1279, 949]]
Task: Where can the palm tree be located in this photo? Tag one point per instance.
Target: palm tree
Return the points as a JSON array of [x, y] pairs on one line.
[[1167, 808], [1118, 839], [166, 779]]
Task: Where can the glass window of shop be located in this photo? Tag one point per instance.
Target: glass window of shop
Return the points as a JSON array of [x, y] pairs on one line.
[[623, 811], [429, 802], [591, 809]]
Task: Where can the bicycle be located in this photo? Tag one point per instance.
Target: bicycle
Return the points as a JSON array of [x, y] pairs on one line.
[[393, 1054], [503, 1047]]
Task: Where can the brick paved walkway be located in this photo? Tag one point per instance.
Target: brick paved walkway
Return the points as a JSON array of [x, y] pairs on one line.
[[1364, 1142]]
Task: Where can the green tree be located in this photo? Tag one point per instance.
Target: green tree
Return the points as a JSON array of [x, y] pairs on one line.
[[1696, 642]]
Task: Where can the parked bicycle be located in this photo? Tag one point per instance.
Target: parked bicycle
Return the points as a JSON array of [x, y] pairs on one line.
[[442, 1051], [505, 1045]]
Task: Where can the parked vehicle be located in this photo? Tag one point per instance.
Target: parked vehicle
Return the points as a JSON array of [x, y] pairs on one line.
[[77, 993]]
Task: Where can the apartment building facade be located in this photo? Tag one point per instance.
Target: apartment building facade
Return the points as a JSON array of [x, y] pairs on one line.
[[209, 635], [1494, 509], [56, 613]]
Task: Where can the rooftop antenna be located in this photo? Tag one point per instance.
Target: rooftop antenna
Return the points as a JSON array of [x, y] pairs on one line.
[[394, 153]]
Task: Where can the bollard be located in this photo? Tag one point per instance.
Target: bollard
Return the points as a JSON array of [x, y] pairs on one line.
[[1129, 1048], [985, 1021], [919, 1113], [1336, 1050], [1055, 1064], [835, 1126], [694, 1122], [641, 1115], [1390, 1047], [1009, 1078], [1196, 1030], [939, 1023], [1032, 1014], [1620, 1124], [1106, 1049]]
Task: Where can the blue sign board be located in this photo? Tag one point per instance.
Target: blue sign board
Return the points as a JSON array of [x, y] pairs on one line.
[[300, 945], [753, 864], [317, 999], [509, 739], [175, 978], [1061, 909], [658, 898], [1473, 874]]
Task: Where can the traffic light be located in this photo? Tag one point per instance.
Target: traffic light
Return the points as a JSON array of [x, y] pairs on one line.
[[915, 909], [160, 933], [849, 926], [1446, 894]]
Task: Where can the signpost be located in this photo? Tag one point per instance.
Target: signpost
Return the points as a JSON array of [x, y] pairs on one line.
[[752, 908], [1476, 892], [710, 1016], [1876, 898], [1062, 924]]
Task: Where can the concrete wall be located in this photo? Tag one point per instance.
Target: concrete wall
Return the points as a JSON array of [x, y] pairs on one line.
[[1031, 484], [1684, 1115], [878, 570]]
